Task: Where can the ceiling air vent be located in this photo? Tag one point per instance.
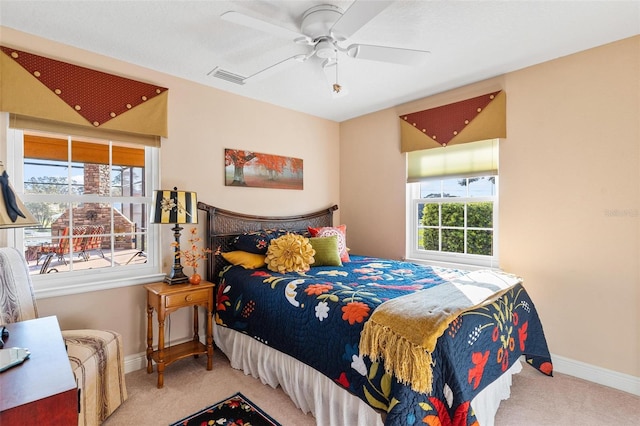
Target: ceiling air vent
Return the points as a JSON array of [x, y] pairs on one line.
[[227, 76]]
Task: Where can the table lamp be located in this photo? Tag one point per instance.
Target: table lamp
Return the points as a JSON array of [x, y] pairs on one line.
[[177, 208]]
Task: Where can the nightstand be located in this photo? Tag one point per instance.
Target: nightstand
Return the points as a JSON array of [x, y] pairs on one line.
[[165, 299]]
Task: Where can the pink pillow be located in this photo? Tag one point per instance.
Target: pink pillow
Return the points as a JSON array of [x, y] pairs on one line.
[[340, 231]]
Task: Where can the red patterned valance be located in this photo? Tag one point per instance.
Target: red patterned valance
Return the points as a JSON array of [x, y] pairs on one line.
[[54, 90], [475, 119]]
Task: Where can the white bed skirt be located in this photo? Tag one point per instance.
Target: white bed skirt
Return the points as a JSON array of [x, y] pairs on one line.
[[314, 392]]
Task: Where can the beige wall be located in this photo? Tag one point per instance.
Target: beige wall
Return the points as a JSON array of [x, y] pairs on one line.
[[569, 209], [202, 122], [569, 195]]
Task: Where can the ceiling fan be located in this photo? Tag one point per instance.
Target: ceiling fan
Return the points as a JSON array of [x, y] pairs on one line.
[[324, 28]]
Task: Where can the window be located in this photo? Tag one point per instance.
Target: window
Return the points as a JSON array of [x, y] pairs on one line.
[[92, 200], [453, 220], [452, 196]]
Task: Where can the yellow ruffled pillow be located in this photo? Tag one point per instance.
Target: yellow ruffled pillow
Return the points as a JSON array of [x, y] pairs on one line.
[[290, 253]]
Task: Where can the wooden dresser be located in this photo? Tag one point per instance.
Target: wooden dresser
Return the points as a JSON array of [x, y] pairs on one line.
[[42, 390]]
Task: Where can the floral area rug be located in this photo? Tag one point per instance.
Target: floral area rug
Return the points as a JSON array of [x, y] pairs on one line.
[[236, 410]]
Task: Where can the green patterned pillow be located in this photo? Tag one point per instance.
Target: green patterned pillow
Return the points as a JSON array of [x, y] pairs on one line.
[[327, 253]]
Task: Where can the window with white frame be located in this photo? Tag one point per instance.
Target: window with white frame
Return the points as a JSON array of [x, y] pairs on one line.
[[91, 198], [453, 217]]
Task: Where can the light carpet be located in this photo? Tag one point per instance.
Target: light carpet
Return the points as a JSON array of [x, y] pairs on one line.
[[536, 400]]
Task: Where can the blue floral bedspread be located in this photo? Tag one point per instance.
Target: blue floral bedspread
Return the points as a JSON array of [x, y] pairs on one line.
[[317, 316]]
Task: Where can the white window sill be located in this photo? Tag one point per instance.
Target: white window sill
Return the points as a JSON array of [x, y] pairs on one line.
[[56, 288], [451, 265]]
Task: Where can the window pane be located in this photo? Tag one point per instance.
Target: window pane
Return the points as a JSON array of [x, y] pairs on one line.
[[480, 242], [453, 214], [130, 223], [137, 182], [127, 181], [96, 178], [45, 213], [480, 215], [123, 229], [454, 188], [482, 186], [131, 218], [430, 189], [38, 240], [453, 240], [428, 214], [96, 242], [46, 177], [92, 214], [429, 239], [119, 181]]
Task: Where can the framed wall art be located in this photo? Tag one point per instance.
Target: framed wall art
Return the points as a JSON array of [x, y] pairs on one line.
[[255, 169]]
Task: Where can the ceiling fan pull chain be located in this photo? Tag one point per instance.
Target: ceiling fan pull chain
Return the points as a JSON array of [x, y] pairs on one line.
[[336, 85]]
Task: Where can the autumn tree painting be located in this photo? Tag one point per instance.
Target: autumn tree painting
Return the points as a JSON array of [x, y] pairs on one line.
[[237, 159], [248, 168]]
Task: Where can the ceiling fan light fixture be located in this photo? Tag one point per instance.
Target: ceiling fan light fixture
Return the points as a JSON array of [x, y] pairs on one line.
[[325, 49]]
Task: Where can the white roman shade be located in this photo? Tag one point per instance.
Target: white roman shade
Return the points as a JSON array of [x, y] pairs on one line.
[[465, 160]]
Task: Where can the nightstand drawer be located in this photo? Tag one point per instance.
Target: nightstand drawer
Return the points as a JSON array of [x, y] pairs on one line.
[[187, 298]]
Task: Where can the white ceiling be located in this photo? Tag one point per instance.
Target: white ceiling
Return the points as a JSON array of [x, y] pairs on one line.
[[469, 41]]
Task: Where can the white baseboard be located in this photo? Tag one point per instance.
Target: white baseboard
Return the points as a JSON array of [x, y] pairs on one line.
[[135, 362], [599, 375], [581, 370]]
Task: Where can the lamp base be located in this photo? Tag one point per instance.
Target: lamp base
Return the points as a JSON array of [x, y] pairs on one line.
[[176, 280], [176, 276]]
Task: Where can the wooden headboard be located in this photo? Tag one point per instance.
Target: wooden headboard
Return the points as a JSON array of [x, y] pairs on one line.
[[224, 225]]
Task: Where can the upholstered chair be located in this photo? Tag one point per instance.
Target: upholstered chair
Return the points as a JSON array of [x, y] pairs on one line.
[[96, 356]]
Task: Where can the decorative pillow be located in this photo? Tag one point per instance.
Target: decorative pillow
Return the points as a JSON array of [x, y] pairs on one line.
[[256, 242], [245, 259], [340, 231], [327, 253], [290, 253]]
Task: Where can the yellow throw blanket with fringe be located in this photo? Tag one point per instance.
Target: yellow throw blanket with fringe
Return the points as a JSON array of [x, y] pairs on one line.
[[403, 331]]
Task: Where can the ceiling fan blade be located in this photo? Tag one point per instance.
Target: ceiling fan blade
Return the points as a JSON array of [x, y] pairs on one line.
[[394, 55], [275, 68], [260, 25], [356, 16]]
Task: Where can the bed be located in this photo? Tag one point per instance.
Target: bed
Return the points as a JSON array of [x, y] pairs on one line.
[[340, 340]]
